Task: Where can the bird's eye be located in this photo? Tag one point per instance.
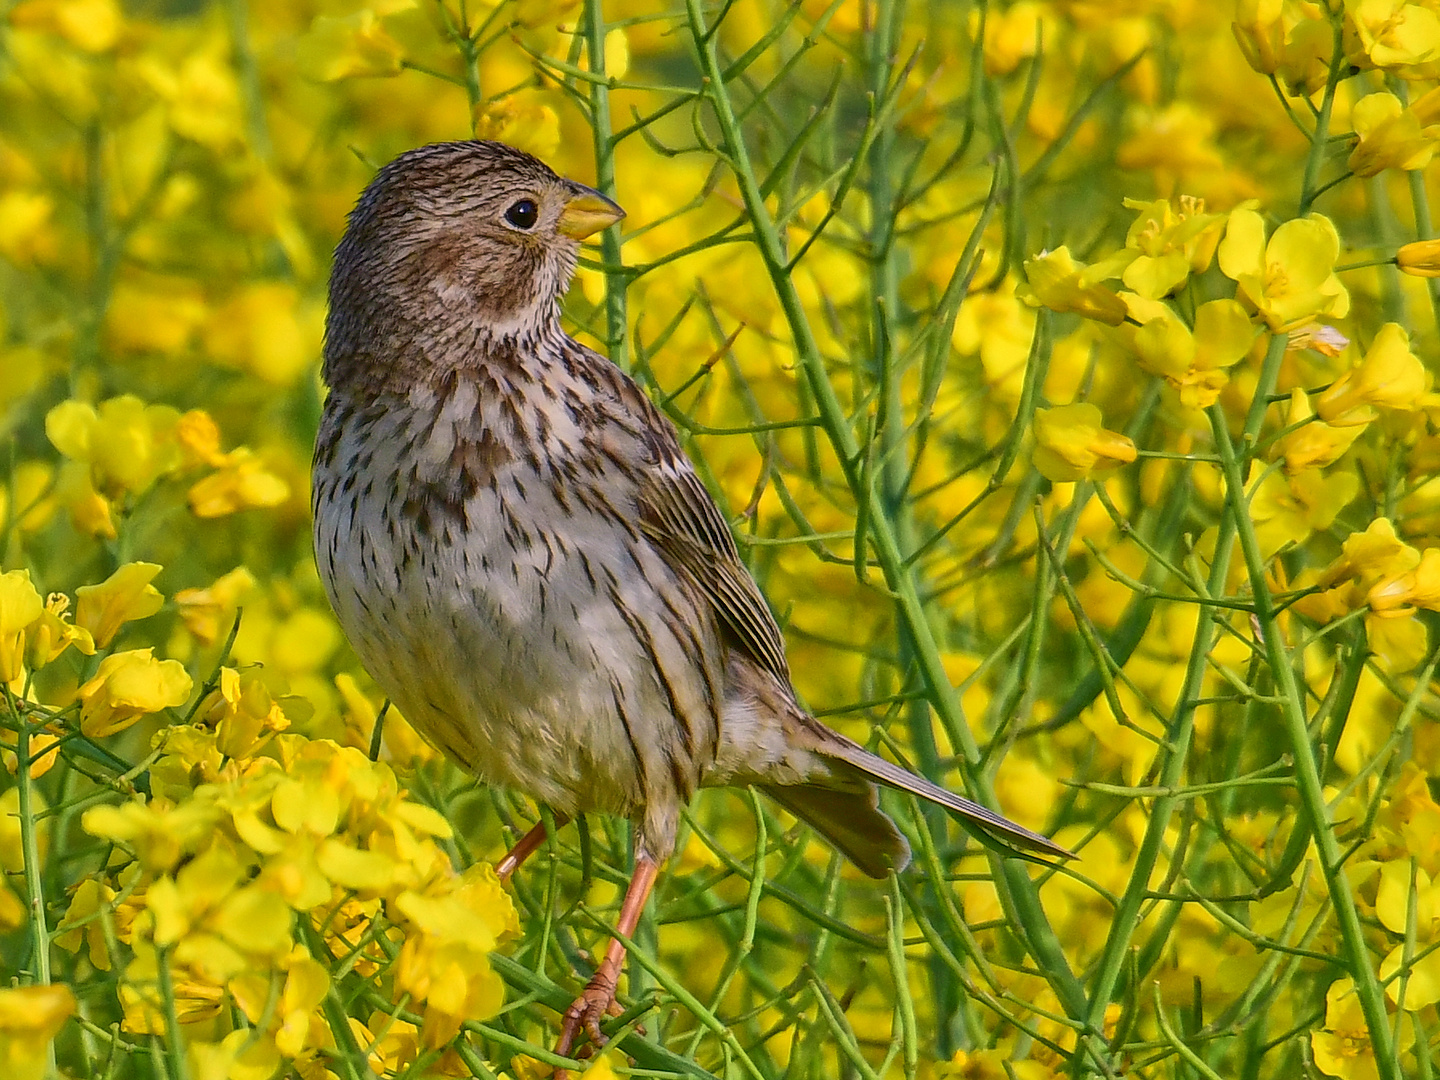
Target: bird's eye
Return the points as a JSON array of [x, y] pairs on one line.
[[523, 214]]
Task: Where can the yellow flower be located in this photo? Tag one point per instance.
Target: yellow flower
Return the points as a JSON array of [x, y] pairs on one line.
[[20, 605], [1392, 897], [1390, 135], [202, 95], [26, 234], [1259, 27], [603, 1067], [34, 503], [1370, 556], [1401, 592], [266, 329], [154, 314], [1000, 328], [89, 510], [1291, 279], [30, 1017], [1316, 444], [1013, 34], [1195, 363], [241, 1055], [13, 913], [196, 998], [83, 925], [90, 25], [402, 743], [990, 1065], [1378, 569], [1072, 444], [306, 984], [348, 47], [127, 686], [44, 751], [1420, 259], [445, 956], [1176, 141], [1168, 246], [218, 923], [127, 443], [242, 712], [397, 1045], [53, 633], [1058, 282], [207, 613], [1288, 508], [525, 119], [1394, 33], [1343, 1048], [617, 53], [126, 595], [199, 438], [1389, 376], [1421, 980], [241, 484], [158, 833]]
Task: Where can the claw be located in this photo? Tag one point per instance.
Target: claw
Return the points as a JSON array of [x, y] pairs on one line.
[[595, 1002]]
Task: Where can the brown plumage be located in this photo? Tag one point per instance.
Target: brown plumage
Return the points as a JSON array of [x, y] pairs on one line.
[[521, 553]]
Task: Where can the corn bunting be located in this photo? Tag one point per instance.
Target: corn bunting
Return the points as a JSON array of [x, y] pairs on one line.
[[522, 555]]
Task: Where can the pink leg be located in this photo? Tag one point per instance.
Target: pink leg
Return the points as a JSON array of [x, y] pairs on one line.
[[524, 848], [598, 997]]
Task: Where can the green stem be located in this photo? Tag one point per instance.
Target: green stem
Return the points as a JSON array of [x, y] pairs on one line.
[[249, 79], [176, 1063], [1307, 771], [30, 847], [616, 315], [1316, 159]]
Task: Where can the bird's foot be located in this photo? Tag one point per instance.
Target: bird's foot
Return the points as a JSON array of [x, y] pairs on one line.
[[595, 1002]]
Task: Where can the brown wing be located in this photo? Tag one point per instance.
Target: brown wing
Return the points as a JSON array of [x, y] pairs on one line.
[[682, 520]]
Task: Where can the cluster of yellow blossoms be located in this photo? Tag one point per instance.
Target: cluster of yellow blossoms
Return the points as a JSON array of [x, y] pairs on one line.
[[260, 869]]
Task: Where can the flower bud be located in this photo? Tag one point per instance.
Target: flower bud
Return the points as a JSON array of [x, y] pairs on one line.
[[1420, 259]]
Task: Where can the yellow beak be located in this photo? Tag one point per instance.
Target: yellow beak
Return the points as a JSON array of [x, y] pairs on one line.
[[587, 213]]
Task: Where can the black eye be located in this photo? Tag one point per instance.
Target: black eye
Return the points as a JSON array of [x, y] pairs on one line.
[[523, 214]]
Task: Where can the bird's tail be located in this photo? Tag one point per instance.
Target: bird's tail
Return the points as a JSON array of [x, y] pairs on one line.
[[851, 820], [891, 775]]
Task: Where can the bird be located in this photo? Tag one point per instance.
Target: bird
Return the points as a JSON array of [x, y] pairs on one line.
[[526, 561]]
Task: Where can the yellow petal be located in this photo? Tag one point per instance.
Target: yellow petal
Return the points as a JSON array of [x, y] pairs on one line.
[[124, 596]]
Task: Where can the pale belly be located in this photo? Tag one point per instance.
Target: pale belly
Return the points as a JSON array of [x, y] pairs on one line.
[[539, 660]]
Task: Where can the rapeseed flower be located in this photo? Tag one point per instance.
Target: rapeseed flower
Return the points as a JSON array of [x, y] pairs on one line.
[[1058, 282], [1289, 279], [30, 1017], [128, 686], [1072, 444], [1195, 362], [1389, 375]]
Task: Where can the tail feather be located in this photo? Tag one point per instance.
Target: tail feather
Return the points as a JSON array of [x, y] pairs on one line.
[[851, 820], [892, 775]]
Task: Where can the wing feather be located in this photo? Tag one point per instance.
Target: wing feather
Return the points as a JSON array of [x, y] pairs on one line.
[[682, 520]]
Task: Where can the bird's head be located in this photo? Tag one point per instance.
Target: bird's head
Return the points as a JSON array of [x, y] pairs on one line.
[[465, 241]]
